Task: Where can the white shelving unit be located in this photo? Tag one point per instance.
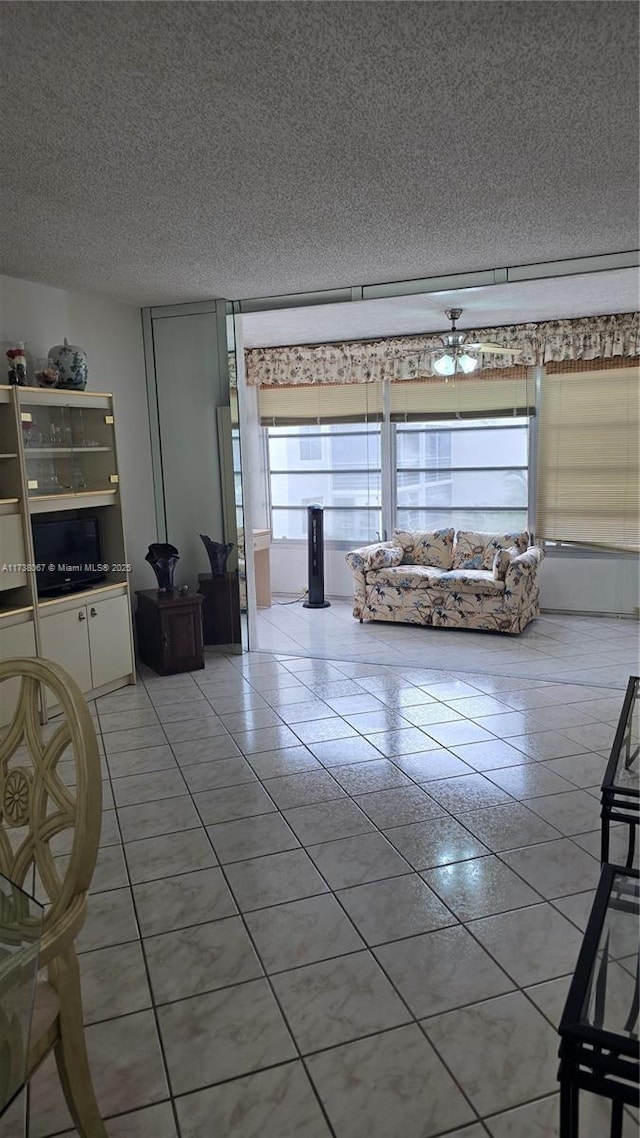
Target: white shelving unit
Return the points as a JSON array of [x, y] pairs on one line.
[[58, 457]]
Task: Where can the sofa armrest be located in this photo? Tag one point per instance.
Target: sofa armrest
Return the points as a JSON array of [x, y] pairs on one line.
[[377, 556], [521, 577], [360, 561]]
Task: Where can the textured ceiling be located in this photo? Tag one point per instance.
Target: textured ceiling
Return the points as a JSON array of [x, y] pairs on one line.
[[179, 151]]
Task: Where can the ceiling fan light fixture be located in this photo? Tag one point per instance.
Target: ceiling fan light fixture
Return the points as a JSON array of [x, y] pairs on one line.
[[467, 363], [445, 365]]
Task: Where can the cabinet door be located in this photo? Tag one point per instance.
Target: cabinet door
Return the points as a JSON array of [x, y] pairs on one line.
[[182, 639], [12, 551], [109, 640], [19, 640], [65, 639]]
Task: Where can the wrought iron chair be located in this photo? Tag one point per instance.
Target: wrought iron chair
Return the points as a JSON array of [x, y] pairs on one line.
[[36, 810]]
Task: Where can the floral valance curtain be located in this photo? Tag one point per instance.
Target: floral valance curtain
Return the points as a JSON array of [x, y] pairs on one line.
[[405, 358]]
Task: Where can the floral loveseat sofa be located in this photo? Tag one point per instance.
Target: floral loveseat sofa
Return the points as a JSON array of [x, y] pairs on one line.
[[449, 580]]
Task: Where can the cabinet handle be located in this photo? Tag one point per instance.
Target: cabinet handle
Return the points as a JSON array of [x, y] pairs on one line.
[[93, 612], [81, 615]]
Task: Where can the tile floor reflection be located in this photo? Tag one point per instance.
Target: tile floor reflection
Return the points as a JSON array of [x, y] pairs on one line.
[[343, 898]]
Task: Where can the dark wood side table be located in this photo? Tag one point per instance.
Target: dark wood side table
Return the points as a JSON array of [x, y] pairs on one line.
[[221, 608], [169, 628]]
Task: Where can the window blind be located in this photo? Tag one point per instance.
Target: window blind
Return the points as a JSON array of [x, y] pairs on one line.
[[481, 395], [320, 403], [588, 475]]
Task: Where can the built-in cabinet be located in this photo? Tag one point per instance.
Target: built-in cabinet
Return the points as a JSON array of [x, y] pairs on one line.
[[58, 457], [17, 638], [92, 641]]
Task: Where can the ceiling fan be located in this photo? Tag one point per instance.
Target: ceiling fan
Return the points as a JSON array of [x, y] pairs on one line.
[[454, 348]]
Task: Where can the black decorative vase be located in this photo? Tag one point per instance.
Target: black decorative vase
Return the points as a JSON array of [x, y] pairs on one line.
[[162, 558], [218, 554]]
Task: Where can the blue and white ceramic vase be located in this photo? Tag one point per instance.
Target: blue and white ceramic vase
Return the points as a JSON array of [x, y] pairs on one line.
[[71, 363]]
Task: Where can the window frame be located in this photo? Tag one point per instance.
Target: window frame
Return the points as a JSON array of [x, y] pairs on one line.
[[432, 426], [386, 432], [367, 430]]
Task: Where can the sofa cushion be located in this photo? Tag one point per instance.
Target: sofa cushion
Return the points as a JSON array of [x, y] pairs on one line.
[[406, 576], [471, 581], [477, 550], [433, 547]]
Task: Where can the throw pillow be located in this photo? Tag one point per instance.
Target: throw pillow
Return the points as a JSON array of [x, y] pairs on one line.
[[433, 548], [501, 563]]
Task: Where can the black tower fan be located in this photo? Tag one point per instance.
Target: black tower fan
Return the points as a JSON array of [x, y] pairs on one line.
[[315, 540]]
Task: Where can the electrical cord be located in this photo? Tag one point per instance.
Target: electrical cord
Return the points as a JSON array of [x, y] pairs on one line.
[[296, 600]]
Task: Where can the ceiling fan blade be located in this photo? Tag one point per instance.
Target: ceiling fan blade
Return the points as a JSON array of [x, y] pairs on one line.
[[425, 351], [492, 349]]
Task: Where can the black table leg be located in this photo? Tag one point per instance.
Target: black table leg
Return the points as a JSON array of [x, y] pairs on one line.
[[604, 840], [568, 1109], [632, 846], [616, 1120]]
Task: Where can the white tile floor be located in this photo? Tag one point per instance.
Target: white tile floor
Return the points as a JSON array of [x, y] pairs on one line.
[[339, 898], [577, 649]]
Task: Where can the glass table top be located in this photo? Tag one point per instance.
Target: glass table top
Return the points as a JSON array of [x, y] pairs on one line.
[[611, 998], [20, 931]]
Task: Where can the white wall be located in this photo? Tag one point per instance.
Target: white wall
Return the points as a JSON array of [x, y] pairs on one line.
[[111, 335], [289, 570], [607, 583]]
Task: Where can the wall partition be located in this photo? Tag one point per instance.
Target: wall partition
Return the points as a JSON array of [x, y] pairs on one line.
[[187, 364]]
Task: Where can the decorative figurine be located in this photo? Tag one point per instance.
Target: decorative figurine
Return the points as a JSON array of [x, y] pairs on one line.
[[162, 558], [17, 366], [71, 363], [218, 554]]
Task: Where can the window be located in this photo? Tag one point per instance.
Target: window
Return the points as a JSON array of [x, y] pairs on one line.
[[344, 478], [589, 460], [310, 446], [470, 474]]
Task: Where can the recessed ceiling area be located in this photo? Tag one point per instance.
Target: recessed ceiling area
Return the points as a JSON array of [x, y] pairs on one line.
[[164, 152], [556, 298]]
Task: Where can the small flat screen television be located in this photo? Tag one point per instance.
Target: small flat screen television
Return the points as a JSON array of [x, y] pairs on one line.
[[67, 554]]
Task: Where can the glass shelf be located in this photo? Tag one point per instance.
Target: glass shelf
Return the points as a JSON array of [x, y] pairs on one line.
[[68, 450]]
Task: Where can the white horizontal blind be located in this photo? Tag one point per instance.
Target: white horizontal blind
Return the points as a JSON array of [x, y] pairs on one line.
[[320, 403], [588, 478], [481, 395]]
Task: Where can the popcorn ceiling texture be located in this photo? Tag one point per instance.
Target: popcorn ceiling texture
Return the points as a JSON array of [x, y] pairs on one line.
[[179, 151]]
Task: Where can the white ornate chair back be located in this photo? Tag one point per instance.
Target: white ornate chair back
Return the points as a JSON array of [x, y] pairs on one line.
[[36, 806]]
